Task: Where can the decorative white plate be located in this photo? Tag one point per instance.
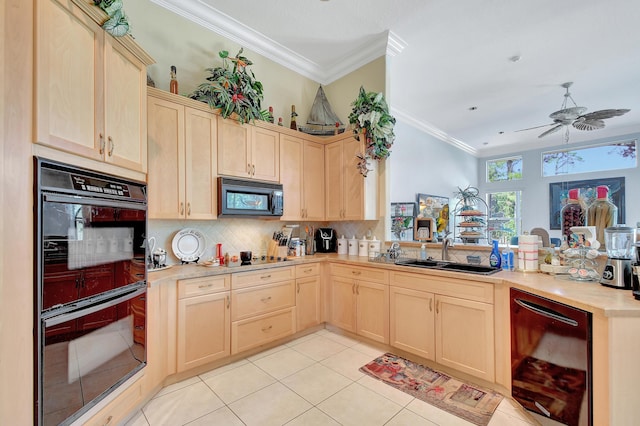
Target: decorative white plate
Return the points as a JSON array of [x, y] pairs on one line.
[[188, 245]]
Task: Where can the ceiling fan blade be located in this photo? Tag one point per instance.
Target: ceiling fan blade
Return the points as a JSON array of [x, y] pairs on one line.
[[551, 130], [567, 113], [582, 124], [536, 127], [604, 114]]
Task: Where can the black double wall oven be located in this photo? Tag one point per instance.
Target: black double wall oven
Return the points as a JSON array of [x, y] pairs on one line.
[[90, 288]]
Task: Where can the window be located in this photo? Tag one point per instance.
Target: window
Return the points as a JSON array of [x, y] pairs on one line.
[[610, 156], [504, 169], [504, 219]]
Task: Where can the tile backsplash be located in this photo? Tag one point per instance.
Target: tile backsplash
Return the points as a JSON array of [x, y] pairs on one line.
[[239, 234]]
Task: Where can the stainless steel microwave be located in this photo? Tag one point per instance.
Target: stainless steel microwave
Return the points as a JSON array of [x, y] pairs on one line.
[[243, 198]]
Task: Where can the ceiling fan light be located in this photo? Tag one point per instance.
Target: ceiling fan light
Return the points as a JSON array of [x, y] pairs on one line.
[[588, 125]]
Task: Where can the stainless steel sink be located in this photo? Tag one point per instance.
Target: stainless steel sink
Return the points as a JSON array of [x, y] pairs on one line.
[[449, 266]]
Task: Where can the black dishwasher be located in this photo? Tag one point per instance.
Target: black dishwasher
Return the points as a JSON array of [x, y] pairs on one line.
[[551, 358]]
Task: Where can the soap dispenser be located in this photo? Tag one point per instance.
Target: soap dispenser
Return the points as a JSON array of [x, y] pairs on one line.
[[423, 252], [494, 257]]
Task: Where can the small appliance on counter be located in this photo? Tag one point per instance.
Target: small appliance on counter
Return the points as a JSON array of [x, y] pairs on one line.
[[619, 243], [635, 277], [326, 240]]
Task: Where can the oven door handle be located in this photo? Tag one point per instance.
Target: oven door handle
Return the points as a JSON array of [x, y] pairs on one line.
[[56, 198], [95, 306], [546, 312]]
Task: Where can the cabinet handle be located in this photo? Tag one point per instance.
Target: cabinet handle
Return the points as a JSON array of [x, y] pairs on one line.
[[265, 329], [253, 170], [206, 285], [430, 305], [188, 209], [249, 169], [306, 271], [358, 289], [353, 288], [108, 422], [437, 307], [228, 301], [111, 146], [265, 299], [77, 282], [181, 208], [298, 288], [265, 277], [356, 272], [101, 144]]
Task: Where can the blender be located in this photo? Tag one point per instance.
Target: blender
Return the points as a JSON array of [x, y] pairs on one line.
[[619, 243]]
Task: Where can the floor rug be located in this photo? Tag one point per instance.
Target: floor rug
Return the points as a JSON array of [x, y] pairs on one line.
[[556, 391], [470, 402]]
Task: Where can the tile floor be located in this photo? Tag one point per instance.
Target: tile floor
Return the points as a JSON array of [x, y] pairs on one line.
[[313, 380]]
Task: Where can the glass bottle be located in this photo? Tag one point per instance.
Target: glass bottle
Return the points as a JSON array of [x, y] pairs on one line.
[[173, 84], [572, 214], [602, 213], [293, 125]]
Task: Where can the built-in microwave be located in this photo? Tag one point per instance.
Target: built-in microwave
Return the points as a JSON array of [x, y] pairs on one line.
[[237, 197]]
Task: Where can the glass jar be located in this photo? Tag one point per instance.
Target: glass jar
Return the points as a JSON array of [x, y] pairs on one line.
[[572, 214], [602, 214]]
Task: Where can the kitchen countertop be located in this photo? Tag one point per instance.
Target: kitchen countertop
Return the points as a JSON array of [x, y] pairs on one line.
[[590, 296]]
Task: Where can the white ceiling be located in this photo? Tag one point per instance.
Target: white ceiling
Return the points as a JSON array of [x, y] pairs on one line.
[[448, 56]]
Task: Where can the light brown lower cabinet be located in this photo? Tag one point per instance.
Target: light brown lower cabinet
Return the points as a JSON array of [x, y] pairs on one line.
[[446, 320], [360, 301], [203, 322], [308, 290]]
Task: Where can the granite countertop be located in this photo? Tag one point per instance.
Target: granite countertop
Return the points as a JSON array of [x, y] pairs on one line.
[[589, 296]]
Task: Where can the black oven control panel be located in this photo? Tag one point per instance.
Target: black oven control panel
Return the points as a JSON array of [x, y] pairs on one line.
[[100, 186]]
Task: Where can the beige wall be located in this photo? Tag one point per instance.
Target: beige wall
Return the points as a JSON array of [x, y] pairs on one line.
[[173, 40], [16, 240]]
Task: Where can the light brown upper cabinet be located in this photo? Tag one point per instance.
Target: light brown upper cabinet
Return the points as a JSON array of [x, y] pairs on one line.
[[247, 151], [349, 195], [90, 86], [302, 178], [182, 158]]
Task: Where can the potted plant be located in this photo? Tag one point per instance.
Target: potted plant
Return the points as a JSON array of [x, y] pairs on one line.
[[233, 89], [370, 118]]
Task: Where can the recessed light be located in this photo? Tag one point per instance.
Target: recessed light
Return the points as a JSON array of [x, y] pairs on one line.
[[501, 132], [473, 108], [485, 143], [515, 58]]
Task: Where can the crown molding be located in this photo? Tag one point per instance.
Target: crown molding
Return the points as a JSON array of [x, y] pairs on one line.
[[433, 131], [212, 19]]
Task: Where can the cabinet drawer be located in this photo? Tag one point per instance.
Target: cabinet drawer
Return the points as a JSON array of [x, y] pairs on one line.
[[253, 301], [461, 288], [359, 273], [204, 285], [307, 270], [262, 276], [253, 332], [118, 409]]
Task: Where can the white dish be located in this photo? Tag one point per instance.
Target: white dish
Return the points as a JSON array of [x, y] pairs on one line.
[[188, 245]]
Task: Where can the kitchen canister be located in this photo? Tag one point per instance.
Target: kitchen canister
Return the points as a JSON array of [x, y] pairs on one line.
[[374, 248], [363, 247], [342, 245], [353, 246], [528, 253]]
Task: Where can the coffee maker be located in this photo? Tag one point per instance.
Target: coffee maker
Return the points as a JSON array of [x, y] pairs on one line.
[[619, 243]]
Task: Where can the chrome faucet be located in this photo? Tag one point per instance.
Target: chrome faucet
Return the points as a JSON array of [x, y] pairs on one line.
[[394, 250], [447, 242]]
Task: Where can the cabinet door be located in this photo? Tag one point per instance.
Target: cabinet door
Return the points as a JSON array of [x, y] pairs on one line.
[[69, 64], [291, 170], [334, 182], [166, 145], [125, 114], [307, 302], [465, 336], [234, 158], [343, 303], [372, 311], [313, 181], [204, 330], [200, 164], [353, 181], [412, 321], [265, 154]]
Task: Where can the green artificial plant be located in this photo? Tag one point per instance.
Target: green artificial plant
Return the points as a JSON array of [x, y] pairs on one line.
[[117, 25], [370, 119], [233, 89]]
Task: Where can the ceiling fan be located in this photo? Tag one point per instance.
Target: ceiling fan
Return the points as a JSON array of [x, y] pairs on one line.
[[576, 117]]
